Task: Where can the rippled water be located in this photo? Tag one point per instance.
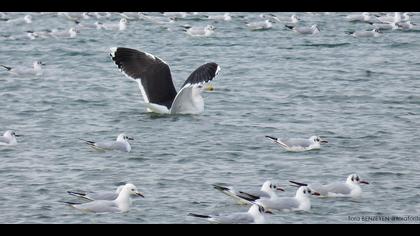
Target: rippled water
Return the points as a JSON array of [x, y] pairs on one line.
[[361, 94]]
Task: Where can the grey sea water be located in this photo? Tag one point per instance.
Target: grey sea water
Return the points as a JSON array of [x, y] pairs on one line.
[[361, 94]]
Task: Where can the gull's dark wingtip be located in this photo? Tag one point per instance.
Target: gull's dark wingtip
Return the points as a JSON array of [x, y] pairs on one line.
[[297, 183], [198, 215]]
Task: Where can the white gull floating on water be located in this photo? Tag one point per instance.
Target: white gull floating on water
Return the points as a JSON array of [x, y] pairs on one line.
[[121, 204], [305, 30], [268, 189], [155, 82], [298, 144], [71, 33], [26, 19], [36, 69], [260, 25], [385, 26], [8, 138], [365, 34], [200, 31], [350, 188], [121, 144], [300, 202], [121, 25], [294, 19], [225, 17], [255, 215], [156, 19], [389, 19], [364, 17]]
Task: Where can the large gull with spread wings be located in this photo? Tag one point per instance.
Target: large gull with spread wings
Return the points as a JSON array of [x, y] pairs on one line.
[[155, 82]]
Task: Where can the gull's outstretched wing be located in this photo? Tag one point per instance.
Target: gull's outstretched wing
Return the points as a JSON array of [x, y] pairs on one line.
[[189, 100], [152, 74]]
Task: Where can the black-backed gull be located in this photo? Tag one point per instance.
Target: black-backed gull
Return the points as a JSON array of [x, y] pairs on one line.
[[155, 82]]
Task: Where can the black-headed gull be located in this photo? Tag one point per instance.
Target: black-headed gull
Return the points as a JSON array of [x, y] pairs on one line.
[[37, 69], [365, 34], [304, 30], [363, 17], [225, 17], [121, 25], [350, 188], [268, 189], [255, 215], [26, 19], [298, 144], [260, 25], [9, 138], [198, 31], [120, 204], [300, 202], [121, 144]]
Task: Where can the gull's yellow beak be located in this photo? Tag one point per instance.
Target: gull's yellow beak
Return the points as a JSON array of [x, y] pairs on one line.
[[208, 87]]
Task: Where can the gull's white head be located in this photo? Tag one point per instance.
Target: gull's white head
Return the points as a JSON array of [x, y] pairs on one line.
[[85, 15], [304, 192], [269, 187], [355, 179], [28, 19], [394, 25], [123, 137], [203, 87], [73, 32], [210, 27], [377, 31], [258, 210], [294, 18], [317, 139], [269, 22], [123, 21], [38, 65], [123, 24], [131, 190], [11, 136], [406, 16], [98, 25]]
